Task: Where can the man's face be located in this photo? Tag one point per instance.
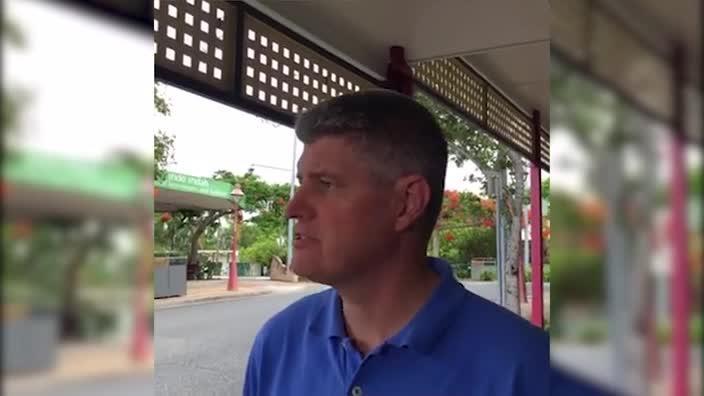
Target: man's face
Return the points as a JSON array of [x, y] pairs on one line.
[[343, 214]]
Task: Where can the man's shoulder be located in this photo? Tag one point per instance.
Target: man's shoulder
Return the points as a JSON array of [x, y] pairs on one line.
[[490, 321], [296, 317]]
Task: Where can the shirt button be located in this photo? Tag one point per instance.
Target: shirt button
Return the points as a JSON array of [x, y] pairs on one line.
[[357, 391]]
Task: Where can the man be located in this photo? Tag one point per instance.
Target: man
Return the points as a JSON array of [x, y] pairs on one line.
[[394, 321]]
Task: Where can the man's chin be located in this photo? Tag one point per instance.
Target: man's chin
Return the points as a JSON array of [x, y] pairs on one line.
[[309, 271]]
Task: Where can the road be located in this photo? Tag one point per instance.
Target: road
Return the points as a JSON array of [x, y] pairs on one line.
[[203, 349]]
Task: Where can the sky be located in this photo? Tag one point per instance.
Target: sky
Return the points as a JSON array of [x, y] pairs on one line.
[[221, 137], [82, 75]]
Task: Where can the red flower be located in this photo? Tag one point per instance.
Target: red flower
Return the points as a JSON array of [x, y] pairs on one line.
[[21, 230], [488, 223], [449, 237], [454, 198], [166, 217]]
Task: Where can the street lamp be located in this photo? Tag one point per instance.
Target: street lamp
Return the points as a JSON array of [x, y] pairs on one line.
[[236, 194]]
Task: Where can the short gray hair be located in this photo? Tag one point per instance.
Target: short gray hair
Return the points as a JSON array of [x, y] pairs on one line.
[[397, 134]]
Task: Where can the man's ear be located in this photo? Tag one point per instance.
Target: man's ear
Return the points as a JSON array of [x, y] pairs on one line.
[[413, 193]]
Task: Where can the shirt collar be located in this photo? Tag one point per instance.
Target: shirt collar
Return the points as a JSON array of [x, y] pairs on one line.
[[424, 329]]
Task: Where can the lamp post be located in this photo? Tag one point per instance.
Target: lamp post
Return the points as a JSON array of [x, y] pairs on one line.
[[236, 194]]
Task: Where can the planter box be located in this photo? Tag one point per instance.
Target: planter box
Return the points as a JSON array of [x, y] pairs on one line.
[[30, 343], [170, 279]]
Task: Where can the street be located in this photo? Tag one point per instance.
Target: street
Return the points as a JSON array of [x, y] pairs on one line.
[[203, 348]]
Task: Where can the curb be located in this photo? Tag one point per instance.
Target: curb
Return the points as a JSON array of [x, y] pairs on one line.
[[203, 300]]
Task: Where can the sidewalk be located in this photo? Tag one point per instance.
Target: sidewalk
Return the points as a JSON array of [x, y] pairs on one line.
[[79, 363], [200, 291]]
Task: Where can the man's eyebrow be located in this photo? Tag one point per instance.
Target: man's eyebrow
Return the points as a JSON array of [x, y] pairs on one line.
[[320, 173]]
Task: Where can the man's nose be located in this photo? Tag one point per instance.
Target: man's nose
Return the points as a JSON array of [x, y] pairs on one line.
[[296, 206]]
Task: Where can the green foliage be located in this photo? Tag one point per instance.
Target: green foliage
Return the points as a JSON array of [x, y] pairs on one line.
[[592, 333], [262, 251], [461, 133], [578, 277], [163, 143], [462, 270], [468, 243], [265, 202], [208, 269], [163, 153], [487, 276], [160, 103], [545, 189]]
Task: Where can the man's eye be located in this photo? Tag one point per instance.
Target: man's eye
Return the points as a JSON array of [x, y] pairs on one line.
[[326, 183]]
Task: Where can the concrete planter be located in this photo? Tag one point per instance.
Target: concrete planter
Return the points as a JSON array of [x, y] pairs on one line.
[[169, 277], [30, 343]]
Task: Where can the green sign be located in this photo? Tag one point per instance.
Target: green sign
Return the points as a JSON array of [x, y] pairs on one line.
[[195, 185], [101, 180]]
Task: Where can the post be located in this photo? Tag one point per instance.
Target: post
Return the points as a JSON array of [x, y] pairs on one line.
[[526, 234], [289, 243], [436, 243], [139, 350], [232, 280], [679, 286], [526, 247], [399, 75], [499, 242], [536, 227]]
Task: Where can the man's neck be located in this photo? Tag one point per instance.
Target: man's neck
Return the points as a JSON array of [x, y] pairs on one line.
[[377, 308]]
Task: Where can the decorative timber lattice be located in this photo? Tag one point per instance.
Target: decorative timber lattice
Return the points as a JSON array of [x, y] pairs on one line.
[[454, 82], [230, 52]]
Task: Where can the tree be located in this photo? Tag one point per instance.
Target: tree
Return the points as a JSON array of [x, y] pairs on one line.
[[264, 202], [545, 189], [163, 143], [468, 143], [188, 231]]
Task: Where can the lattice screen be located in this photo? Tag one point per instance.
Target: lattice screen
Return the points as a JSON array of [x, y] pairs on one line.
[[469, 93], [196, 39], [286, 75], [451, 79], [510, 123], [545, 148]]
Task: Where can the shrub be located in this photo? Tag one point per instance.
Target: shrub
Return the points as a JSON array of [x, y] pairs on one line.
[[487, 276], [462, 271], [262, 251]]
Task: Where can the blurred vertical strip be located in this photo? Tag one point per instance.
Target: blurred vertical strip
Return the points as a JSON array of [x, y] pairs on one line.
[[76, 188], [626, 143]]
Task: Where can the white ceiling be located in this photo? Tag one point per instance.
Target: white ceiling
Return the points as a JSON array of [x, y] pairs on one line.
[[505, 40]]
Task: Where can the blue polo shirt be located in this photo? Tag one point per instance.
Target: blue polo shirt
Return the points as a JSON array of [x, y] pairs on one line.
[[457, 344]]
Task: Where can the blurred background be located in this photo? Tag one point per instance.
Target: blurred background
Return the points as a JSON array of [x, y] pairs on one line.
[[77, 196], [626, 149]]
